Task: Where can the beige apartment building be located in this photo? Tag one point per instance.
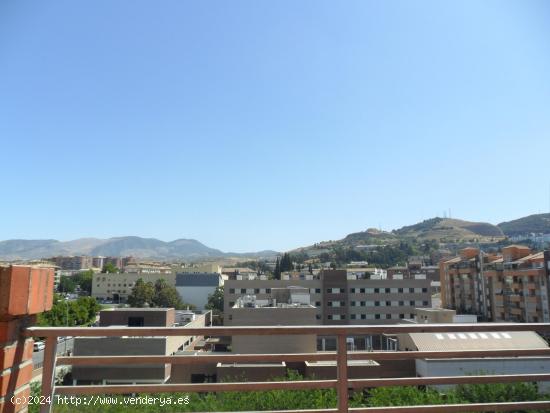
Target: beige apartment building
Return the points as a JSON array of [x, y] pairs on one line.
[[117, 287], [341, 297], [512, 286]]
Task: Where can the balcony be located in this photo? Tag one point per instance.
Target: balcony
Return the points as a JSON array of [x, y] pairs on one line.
[[343, 384]]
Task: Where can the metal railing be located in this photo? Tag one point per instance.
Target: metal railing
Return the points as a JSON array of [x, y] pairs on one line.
[[342, 384]]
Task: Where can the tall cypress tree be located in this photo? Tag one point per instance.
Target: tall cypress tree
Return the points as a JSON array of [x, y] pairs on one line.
[[277, 271]]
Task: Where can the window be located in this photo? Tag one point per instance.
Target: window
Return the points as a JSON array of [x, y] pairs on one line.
[[318, 316], [401, 303], [376, 290], [388, 290], [400, 290], [352, 290], [377, 303], [411, 290], [424, 290], [363, 316], [377, 316], [388, 316], [243, 290], [268, 290], [231, 303], [352, 303], [317, 291], [136, 322], [317, 303], [352, 316], [411, 302], [256, 291], [362, 290], [388, 303], [401, 315], [425, 303], [231, 291]]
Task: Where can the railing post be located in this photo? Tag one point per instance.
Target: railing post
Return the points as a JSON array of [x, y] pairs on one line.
[[342, 367], [48, 375]]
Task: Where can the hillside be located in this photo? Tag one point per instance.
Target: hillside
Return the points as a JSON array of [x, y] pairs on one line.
[[120, 246], [537, 223], [447, 229], [435, 229]]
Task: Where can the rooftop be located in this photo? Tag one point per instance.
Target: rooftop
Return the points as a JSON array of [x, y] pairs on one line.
[[512, 340]]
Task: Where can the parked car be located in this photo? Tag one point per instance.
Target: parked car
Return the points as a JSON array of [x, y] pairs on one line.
[[39, 346]]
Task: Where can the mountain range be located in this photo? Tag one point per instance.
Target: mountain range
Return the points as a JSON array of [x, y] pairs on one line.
[[138, 247], [439, 229]]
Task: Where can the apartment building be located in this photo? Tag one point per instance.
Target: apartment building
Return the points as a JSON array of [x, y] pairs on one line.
[[201, 269], [431, 272], [117, 287], [341, 297], [80, 262], [147, 268], [512, 286]]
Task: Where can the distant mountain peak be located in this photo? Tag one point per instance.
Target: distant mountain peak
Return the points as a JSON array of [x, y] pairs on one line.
[[138, 247]]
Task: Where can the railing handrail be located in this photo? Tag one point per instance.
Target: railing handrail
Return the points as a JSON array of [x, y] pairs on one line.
[[284, 330], [342, 384], [204, 357]]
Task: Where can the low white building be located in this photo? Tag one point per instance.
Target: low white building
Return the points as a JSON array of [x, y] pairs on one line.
[[194, 288], [512, 340]]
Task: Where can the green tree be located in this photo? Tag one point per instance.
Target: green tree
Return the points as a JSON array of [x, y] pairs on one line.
[[110, 268], [142, 293], [277, 270], [84, 280], [215, 300], [286, 263], [66, 284], [166, 296], [70, 313]]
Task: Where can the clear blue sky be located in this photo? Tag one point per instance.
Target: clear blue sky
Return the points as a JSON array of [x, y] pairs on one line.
[[269, 124]]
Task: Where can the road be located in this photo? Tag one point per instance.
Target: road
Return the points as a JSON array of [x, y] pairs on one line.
[[62, 348]]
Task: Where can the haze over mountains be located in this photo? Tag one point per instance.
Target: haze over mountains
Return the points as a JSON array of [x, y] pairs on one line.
[[439, 229], [120, 246]]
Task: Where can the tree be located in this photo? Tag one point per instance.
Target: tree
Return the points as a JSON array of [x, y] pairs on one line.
[[84, 280], [142, 293], [286, 263], [110, 268], [215, 300], [66, 284], [166, 296], [70, 313], [277, 270]]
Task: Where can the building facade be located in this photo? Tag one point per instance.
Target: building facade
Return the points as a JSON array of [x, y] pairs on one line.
[[117, 287], [512, 286], [340, 297], [194, 288]]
